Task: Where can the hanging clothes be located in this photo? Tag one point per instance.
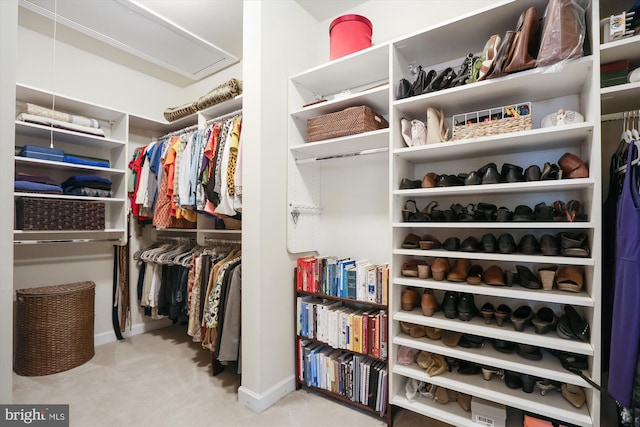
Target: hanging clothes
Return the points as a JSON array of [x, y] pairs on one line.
[[625, 332]]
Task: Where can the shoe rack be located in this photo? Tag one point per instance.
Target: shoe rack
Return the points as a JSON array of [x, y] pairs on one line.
[[573, 85]]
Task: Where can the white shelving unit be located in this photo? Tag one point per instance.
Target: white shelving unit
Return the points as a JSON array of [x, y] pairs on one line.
[[325, 175], [571, 85], [362, 78], [112, 147]]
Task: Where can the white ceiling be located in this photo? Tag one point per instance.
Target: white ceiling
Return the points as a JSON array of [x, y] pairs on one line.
[[218, 22]]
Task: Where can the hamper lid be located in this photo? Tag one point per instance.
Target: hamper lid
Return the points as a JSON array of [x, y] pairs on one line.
[[67, 288], [350, 17]]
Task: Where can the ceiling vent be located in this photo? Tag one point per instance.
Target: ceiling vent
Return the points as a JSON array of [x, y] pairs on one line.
[[129, 26]]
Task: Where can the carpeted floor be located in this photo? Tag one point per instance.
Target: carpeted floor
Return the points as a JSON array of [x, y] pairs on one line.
[[161, 379]]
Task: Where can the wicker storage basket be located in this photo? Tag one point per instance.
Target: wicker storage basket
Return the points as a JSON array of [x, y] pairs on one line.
[[492, 122], [54, 328], [232, 223], [350, 121], [52, 214]]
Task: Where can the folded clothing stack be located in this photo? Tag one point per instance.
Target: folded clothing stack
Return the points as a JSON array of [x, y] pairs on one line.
[[87, 185], [44, 116], [36, 184]]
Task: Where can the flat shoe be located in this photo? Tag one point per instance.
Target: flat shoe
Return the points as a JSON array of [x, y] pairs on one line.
[[527, 278], [451, 244], [407, 184], [451, 338], [512, 379], [494, 276], [506, 244], [529, 352], [573, 394], [474, 275], [503, 346], [412, 241], [471, 244], [409, 299], [529, 245], [570, 278], [549, 245], [428, 242], [523, 213], [489, 243], [428, 303]]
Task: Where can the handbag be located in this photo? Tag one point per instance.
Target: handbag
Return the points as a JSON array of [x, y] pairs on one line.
[[563, 32], [437, 126], [404, 89], [418, 133], [526, 42], [420, 83]]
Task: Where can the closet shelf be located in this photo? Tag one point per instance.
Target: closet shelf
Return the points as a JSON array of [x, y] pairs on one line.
[[27, 233], [33, 130], [551, 405], [355, 70], [554, 296], [620, 98], [376, 98], [345, 300], [65, 197], [476, 326], [346, 145], [494, 225], [52, 165], [507, 143], [548, 367], [628, 48], [521, 258], [527, 86], [451, 413], [503, 188]]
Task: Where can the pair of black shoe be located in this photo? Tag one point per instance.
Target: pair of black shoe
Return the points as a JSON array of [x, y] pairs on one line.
[[488, 243], [457, 304]]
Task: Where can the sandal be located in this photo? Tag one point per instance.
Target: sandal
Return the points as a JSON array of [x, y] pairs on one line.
[[410, 209], [429, 242], [412, 241]]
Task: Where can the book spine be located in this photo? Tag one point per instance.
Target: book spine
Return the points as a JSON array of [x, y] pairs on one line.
[[383, 334]]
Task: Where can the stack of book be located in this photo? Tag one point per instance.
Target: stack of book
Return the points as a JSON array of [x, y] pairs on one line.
[[350, 328], [614, 73], [358, 378], [343, 277]]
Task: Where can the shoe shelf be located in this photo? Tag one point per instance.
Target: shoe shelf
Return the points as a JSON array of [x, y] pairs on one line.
[[552, 404], [571, 135], [526, 86], [451, 413], [503, 188], [476, 326], [375, 140], [521, 258], [532, 225], [549, 367], [512, 292]]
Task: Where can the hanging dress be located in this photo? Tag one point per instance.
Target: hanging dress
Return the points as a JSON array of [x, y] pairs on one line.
[[625, 332]]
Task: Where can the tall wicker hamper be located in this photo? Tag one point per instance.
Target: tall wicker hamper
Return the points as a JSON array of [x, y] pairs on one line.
[[54, 328]]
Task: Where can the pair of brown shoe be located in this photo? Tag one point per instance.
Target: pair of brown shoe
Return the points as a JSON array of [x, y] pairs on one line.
[[444, 396], [434, 364]]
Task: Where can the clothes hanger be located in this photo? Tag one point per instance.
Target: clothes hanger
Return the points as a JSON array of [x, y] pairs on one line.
[[635, 135], [620, 155]]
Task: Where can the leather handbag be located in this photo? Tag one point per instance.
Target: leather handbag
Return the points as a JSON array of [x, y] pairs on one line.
[[404, 89], [418, 133], [420, 83], [563, 32], [526, 42]]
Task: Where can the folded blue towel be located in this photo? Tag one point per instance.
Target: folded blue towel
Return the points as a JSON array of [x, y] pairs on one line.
[[36, 187], [85, 162]]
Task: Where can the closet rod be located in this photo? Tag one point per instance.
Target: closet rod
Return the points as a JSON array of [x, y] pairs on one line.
[[179, 132], [357, 153], [224, 116], [33, 242], [214, 240], [178, 239]]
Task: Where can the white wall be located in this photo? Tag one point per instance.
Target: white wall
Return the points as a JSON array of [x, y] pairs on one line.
[[270, 51], [8, 26]]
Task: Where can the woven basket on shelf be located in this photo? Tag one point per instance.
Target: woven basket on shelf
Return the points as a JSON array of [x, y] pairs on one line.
[[54, 328], [232, 223], [350, 121], [491, 122], [34, 213]]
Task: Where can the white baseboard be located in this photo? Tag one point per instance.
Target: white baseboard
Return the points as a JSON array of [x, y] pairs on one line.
[[140, 328], [260, 402]]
